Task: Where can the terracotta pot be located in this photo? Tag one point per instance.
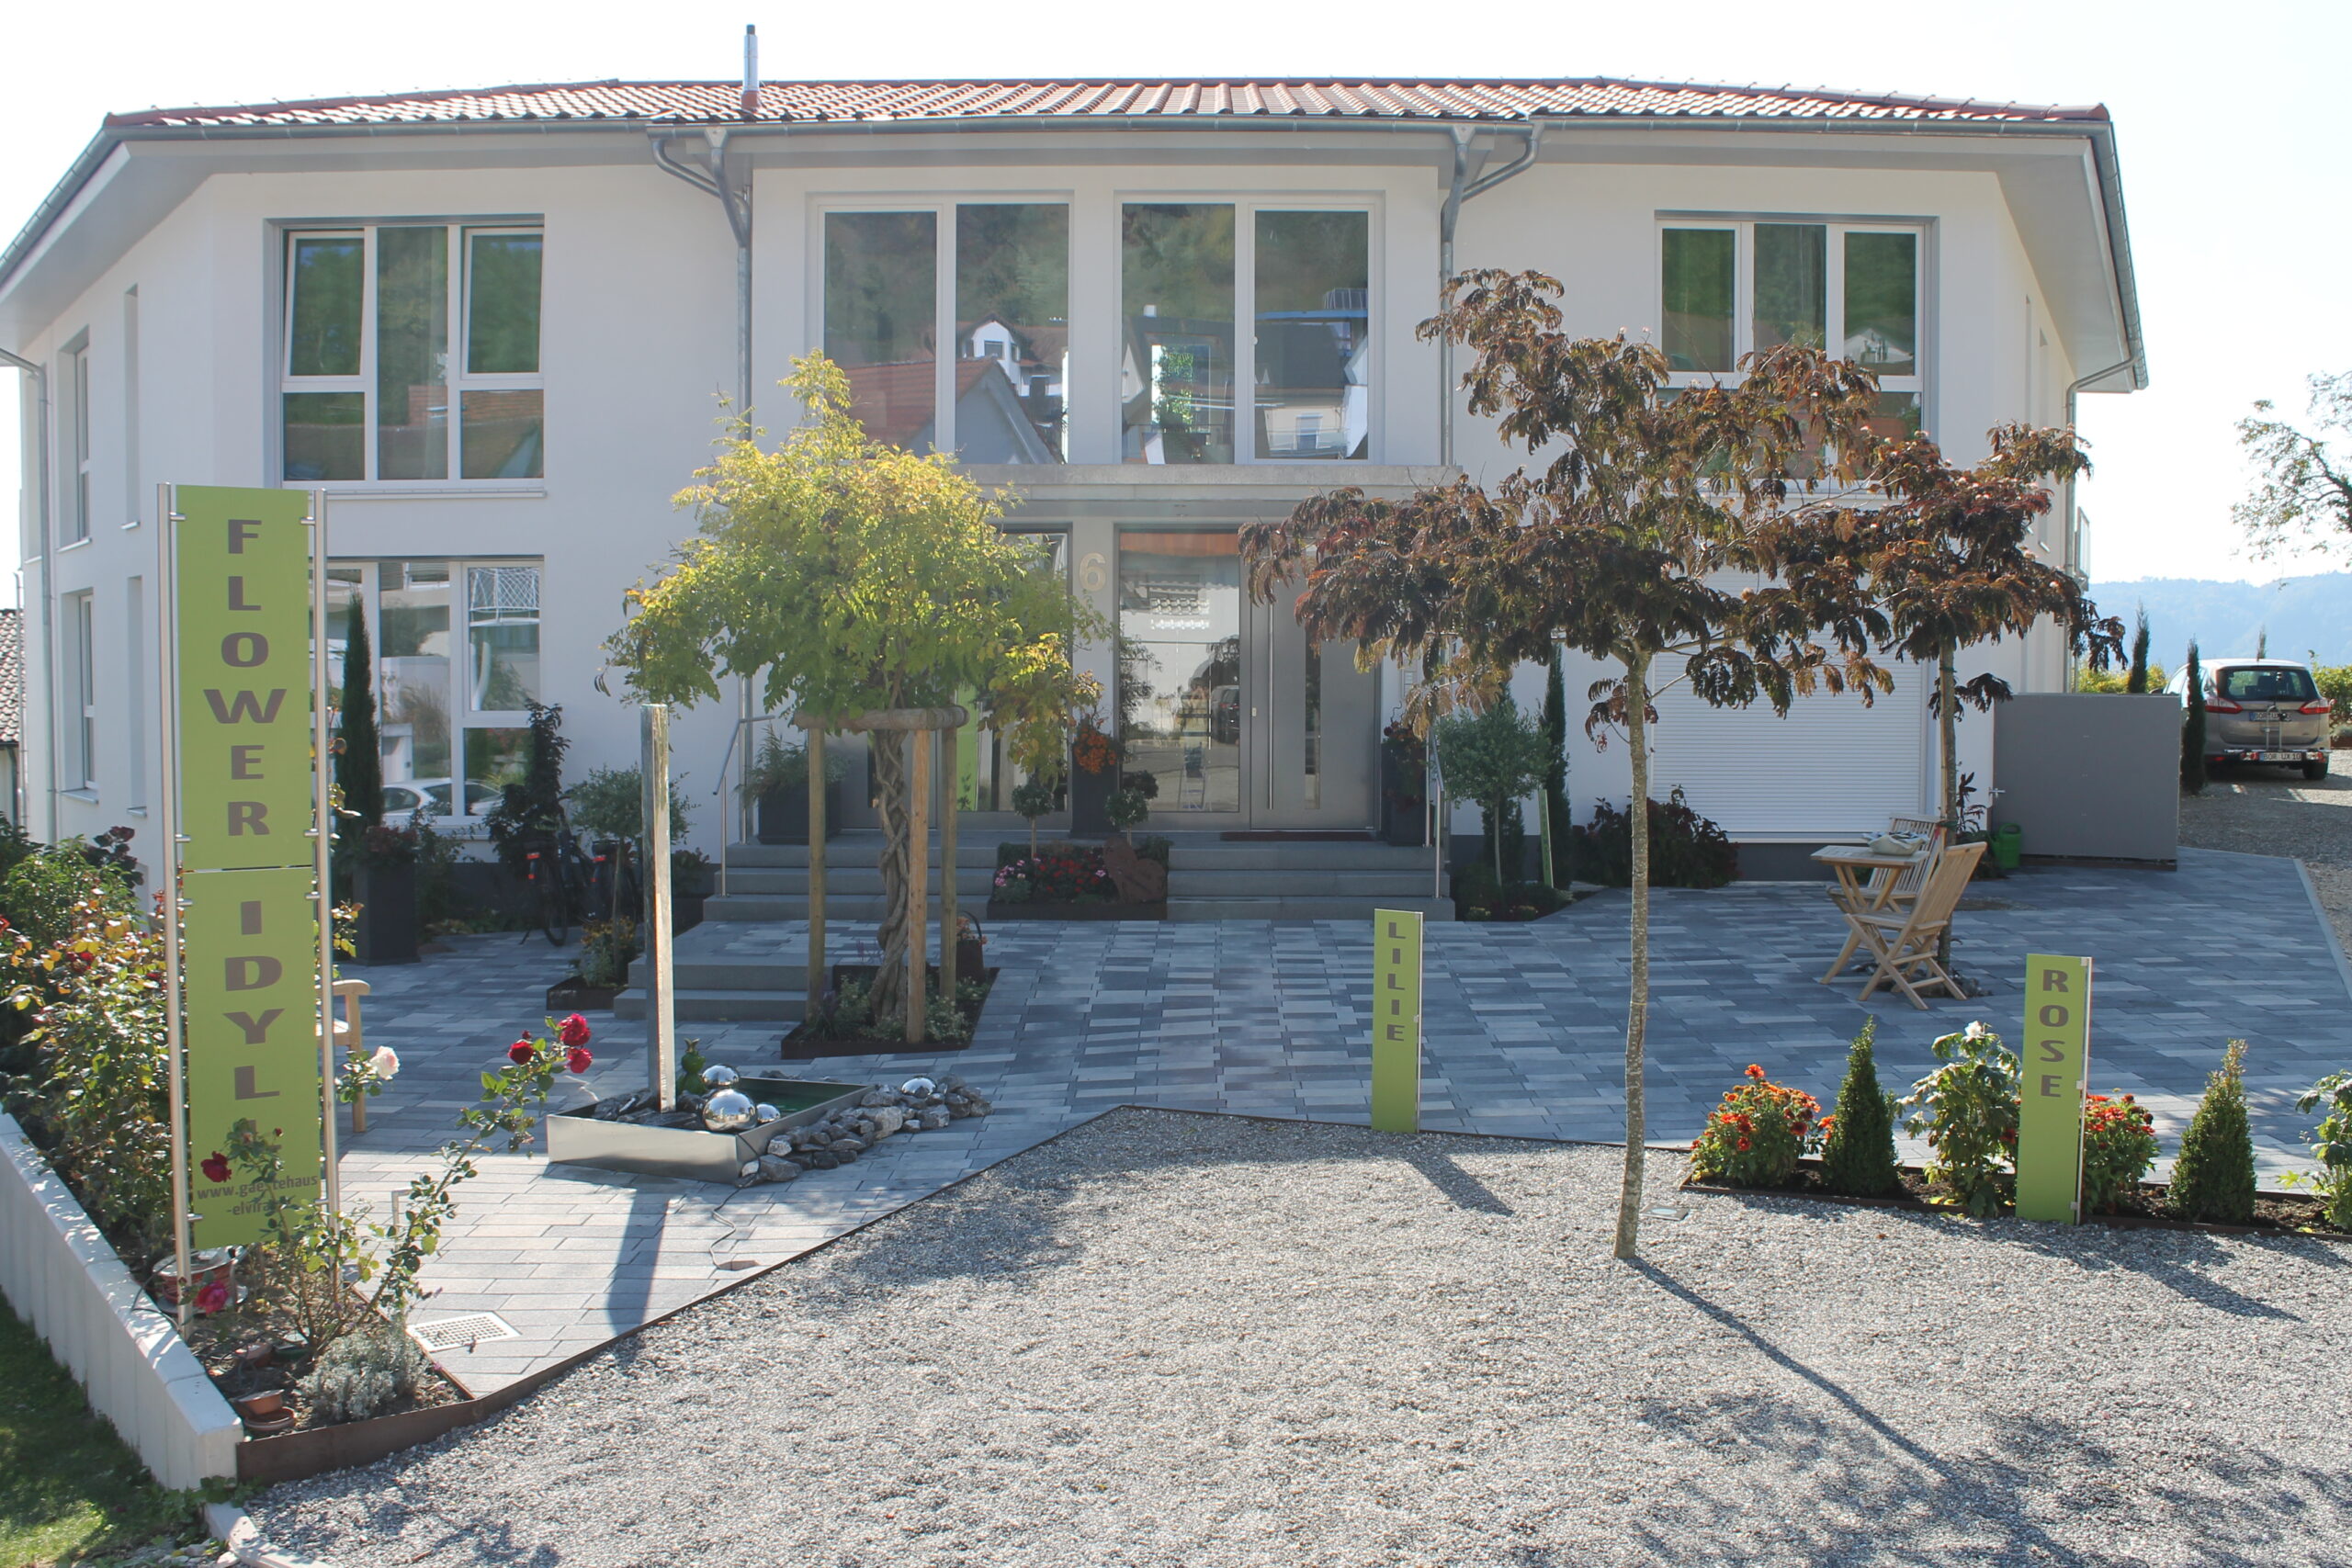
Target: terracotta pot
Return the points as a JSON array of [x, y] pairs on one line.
[[258, 1406]]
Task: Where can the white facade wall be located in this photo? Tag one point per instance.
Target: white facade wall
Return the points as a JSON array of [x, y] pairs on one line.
[[638, 338]]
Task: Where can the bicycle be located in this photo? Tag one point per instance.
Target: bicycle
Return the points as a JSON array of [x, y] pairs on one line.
[[562, 886]]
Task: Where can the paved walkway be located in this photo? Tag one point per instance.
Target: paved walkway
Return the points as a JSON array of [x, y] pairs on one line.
[[1525, 1027]]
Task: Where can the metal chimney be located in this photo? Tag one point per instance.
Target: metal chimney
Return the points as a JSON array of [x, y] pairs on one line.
[[750, 71]]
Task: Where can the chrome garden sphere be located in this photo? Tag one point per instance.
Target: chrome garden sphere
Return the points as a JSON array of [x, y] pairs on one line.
[[716, 1078], [728, 1111], [764, 1114]]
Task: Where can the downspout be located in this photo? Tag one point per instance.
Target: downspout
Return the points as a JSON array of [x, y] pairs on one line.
[[2074, 518], [36, 482], [1459, 190]]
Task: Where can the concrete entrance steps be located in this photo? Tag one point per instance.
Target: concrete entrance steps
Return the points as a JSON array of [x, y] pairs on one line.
[[718, 987], [770, 882]]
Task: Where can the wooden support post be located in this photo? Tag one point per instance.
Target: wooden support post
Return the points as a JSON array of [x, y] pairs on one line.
[[818, 978], [917, 867], [950, 767]]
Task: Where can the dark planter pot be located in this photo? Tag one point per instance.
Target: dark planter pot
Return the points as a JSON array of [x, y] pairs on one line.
[[1090, 801], [971, 957], [784, 814], [578, 996], [686, 912], [1404, 819], [387, 897]]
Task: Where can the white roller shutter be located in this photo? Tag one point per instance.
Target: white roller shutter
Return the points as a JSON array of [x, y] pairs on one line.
[[1832, 769]]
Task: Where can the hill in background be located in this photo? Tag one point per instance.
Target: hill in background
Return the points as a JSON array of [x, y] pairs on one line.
[[2306, 615]]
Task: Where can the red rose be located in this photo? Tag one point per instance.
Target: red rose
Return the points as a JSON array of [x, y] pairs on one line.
[[215, 1167], [521, 1051], [577, 1059], [213, 1297], [573, 1031]]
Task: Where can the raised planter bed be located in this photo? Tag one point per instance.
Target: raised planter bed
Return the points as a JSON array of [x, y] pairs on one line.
[[1082, 910], [2275, 1213], [580, 1137], [802, 1045], [575, 994]]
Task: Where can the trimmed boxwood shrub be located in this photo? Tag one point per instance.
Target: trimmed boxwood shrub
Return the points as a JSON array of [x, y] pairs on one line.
[[2213, 1179], [1858, 1141]]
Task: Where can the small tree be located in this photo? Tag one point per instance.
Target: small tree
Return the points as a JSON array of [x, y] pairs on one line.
[[864, 586], [2304, 481], [2137, 684], [1493, 758], [2192, 731], [1858, 1155], [1557, 818], [531, 809], [2213, 1179], [1690, 534], [359, 765]]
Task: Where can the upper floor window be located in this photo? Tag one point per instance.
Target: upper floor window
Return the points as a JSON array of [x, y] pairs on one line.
[[1728, 288], [994, 278], [1307, 360], [75, 365], [385, 325]]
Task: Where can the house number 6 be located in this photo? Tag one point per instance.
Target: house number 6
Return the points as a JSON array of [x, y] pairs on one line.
[[1094, 572]]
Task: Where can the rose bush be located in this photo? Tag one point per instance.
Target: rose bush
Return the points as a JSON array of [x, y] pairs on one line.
[[1967, 1110]]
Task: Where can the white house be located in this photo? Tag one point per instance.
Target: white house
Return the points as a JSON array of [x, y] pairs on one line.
[[492, 327]]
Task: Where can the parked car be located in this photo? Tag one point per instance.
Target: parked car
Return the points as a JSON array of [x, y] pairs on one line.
[[2262, 710], [402, 798]]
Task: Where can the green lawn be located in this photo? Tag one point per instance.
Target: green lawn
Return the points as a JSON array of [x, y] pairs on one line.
[[70, 1490]]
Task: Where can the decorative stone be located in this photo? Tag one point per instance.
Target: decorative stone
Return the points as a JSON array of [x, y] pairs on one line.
[[774, 1167], [1139, 881], [950, 1084], [821, 1159], [932, 1120], [848, 1148], [876, 1097], [888, 1120]]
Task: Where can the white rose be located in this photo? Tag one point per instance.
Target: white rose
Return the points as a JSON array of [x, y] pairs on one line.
[[383, 1062]]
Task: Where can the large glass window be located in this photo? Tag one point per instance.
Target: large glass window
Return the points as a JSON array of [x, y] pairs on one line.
[[1176, 361], [881, 321], [1011, 332], [457, 668], [76, 364], [1313, 337], [1180, 680], [1728, 288], [385, 325]]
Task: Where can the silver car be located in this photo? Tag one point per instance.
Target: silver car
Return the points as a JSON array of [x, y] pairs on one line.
[[2262, 710]]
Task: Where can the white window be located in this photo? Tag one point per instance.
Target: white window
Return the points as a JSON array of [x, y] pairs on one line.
[[78, 731], [412, 354], [135, 688], [1730, 288], [456, 648], [74, 366], [133, 504]]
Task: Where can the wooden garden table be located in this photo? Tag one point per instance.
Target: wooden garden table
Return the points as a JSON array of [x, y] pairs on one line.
[[1853, 863]]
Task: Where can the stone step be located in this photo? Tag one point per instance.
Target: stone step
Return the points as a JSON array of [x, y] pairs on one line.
[[702, 1006], [1187, 882], [1302, 908], [742, 906], [857, 849], [716, 974]]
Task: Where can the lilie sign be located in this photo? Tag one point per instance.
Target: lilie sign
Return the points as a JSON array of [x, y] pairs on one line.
[[245, 844]]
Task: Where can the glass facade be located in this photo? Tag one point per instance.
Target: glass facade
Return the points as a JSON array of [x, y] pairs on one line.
[[1701, 286], [1012, 332], [1180, 689], [1311, 340], [1176, 359], [881, 322]]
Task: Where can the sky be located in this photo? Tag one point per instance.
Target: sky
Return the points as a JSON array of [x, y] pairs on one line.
[[2228, 125]]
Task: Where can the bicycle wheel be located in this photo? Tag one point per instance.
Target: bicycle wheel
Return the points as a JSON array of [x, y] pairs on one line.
[[554, 914]]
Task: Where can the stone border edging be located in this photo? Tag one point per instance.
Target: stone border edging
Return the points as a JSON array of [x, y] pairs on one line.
[[2319, 913], [60, 1272]]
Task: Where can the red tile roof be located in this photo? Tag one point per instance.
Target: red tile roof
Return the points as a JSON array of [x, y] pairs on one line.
[[818, 102]]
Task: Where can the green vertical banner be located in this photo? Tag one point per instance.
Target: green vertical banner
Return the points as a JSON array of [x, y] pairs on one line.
[[2055, 1071], [1396, 1021], [250, 952]]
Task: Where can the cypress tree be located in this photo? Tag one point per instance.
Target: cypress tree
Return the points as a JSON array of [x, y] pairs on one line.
[[1555, 772], [2137, 684], [1858, 1157], [2213, 1179], [2192, 733], [359, 766]]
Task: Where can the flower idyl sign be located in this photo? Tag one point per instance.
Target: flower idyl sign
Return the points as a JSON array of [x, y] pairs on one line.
[[243, 842], [2053, 1077]]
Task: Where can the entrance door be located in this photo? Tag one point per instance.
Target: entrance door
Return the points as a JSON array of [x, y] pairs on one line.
[[1237, 720]]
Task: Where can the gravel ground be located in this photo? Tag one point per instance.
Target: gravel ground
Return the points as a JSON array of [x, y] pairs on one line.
[[1172, 1339], [2270, 811]]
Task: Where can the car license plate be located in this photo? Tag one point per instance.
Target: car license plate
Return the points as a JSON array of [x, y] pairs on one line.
[[2278, 756]]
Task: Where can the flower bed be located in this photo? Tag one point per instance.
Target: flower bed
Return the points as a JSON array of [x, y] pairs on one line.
[[844, 1025], [1068, 881]]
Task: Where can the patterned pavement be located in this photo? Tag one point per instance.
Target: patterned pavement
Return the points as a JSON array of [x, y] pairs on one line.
[[1525, 1037]]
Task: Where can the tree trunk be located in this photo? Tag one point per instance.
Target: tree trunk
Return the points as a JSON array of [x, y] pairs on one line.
[[1637, 1002], [888, 752], [819, 977], [952, 793], [919, 786], [1947, 737]]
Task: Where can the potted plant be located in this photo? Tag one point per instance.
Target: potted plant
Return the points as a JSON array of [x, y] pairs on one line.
[[1094, 779], [971, 948], [1125, 808], [1404, 785], [779, 783], [692, 877], [384, 885]]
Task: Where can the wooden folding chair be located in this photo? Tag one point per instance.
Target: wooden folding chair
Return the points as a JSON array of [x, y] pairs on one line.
[[351, 1040], [1905, 941]]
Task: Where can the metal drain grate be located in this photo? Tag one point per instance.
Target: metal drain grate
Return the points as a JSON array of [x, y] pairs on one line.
[[470, 1329]]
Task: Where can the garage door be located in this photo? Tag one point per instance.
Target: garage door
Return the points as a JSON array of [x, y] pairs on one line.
[[1831, 769]]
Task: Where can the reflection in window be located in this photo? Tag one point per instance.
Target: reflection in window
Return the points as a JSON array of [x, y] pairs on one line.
[[503, 432], [881, 296], [502, 630], [1311, 710], [1314, 348], [502, 304], [413, 354], [1011, 332], [325, 277], [413, 649], [1176, 355], [1882, 302], [324, 437], [1697, 295], [988, 777], [1791, 284], [1180, 667], [494, 759]]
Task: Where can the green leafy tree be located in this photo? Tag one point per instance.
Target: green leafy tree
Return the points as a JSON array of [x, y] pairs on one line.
[[2192, 731], [360, 761], [1493, 758], [530, 809], [1858, 1153], [2213, 1179], [2304, 483], [852, 579], [1675, 534], [2137, 684]]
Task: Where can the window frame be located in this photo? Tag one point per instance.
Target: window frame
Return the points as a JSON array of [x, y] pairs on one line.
[[458, 696], [1920, 383], [457, 377], [74, 440], [80, 704]]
